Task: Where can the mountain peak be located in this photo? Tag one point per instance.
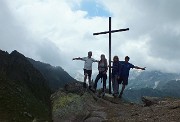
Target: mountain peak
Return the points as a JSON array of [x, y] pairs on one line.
[[17, 54], [23, 90]]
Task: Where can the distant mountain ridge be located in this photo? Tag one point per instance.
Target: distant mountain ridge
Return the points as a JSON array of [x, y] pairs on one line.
[[56, 76], [150, 79], [152, 83]]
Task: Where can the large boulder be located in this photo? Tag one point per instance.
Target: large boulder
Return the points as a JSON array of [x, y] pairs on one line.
[[148, 101], [73, 103]]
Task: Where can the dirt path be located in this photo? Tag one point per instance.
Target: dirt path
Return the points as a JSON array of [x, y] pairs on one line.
[[116, 110]]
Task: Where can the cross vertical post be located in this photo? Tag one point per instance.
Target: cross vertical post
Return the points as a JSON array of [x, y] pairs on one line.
[[105, 32], [110, 55]]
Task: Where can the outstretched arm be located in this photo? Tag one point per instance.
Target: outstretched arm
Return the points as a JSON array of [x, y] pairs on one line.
[[96, 61], [136, 67], [111, 66], [77, 58]]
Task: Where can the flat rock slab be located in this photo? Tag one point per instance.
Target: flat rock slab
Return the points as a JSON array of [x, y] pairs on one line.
[[100, 114], [148, 101], [111, 99], [94, 119]]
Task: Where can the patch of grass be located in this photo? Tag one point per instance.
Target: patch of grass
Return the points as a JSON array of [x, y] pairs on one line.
[[65, 100], [18, 104]]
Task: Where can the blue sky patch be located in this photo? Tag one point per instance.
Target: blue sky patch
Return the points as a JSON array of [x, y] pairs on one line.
[[93, 8]]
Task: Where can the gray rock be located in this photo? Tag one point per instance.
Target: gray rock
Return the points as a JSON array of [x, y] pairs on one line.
[[94, 119], [148, 101], [100, 114]]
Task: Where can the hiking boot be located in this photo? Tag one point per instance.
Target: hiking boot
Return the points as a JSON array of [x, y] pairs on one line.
[[120, 95], [115, 95], [103, 94], [84, 85], [93, 90], [98, 94]]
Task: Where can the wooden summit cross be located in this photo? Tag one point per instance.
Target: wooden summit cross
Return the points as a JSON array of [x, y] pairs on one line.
[[105, 32]]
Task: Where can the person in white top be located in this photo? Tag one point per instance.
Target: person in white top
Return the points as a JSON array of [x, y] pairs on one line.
[[87, 67]]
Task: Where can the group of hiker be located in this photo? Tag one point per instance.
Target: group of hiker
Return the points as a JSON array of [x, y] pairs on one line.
[[120, 72]]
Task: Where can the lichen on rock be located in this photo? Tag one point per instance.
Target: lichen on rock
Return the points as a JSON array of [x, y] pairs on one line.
[[70, 106]]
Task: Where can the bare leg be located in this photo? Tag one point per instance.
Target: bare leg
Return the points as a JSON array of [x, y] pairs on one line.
[[116, 86], [113, 84], [96, 81], [123, 87], [89, 78], [85, 77]]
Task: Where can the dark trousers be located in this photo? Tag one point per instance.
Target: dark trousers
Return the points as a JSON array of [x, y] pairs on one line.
[[104, 77]]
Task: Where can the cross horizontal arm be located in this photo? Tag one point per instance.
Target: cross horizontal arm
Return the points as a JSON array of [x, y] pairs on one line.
[[113, 31]]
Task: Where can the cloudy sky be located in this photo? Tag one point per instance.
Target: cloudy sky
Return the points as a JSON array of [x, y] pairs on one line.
[[55, 31]]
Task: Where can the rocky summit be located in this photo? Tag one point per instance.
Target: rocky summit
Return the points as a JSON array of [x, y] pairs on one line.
[[75, 104]]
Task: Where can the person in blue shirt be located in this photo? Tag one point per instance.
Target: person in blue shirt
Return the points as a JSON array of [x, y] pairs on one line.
[[124, 70]]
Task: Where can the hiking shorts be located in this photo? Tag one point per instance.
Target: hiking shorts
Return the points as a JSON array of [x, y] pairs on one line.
[[123, 80], [88, 72]]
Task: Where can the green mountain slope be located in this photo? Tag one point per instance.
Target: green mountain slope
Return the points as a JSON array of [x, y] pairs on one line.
[[24, 94]]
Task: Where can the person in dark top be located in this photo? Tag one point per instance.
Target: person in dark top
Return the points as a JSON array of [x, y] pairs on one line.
[[124, 73], [115, 75], [102, 67]]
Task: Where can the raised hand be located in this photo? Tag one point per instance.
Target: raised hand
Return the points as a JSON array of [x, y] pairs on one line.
[[144, 68]]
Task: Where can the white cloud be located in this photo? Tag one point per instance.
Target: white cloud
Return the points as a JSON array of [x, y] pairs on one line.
[[54, 31]]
